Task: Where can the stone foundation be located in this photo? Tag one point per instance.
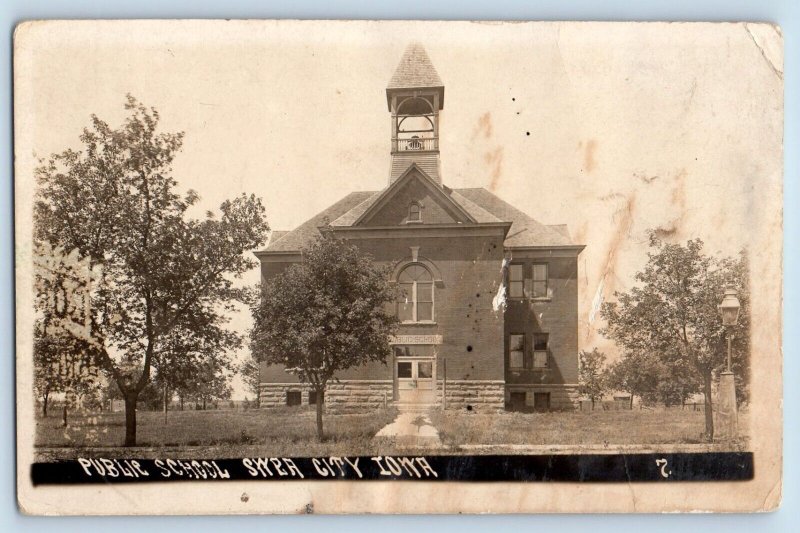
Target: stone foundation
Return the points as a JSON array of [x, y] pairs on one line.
[[358, 396], [562, 397], [478, 395], [340, 397], [371, 395]]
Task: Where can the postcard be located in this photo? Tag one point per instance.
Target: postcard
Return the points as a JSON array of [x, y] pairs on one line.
[[275, 267]]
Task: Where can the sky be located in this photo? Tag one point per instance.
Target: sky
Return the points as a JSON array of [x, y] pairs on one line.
[[676, 127]]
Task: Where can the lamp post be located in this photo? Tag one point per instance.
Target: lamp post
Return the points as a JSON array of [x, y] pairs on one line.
[[726, 411]]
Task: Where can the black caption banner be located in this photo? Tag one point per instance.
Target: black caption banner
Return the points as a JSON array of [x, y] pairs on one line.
[[731, 466]]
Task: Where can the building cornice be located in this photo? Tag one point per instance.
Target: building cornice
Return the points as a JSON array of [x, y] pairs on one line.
[[572, 250], [268, 256], [486, 229]]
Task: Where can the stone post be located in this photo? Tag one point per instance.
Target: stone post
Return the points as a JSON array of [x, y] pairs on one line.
[[727, 420]]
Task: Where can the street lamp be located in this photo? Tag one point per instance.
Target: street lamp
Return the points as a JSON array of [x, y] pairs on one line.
[[726, 413], [729, 309]]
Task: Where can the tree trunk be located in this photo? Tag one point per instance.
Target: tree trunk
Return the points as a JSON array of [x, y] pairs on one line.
[[65, 413], [631, 402], [181, 398], [166, 406], [708, 407], [130, 419], [45, 398], [320, 432], [204, 404]]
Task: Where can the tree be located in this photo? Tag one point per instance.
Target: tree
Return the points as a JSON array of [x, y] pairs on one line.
[[325, 314], [160, 272], [591, 374], [249, 369], [649, 378], [210, 382], [672, 313]]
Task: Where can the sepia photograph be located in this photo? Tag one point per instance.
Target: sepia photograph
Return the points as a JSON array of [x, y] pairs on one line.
[[261, 267]]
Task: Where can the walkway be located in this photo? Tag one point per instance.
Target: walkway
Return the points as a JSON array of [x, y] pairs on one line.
[[413, 430]]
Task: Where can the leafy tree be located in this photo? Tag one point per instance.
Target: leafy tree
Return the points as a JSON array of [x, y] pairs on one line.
[[672, 313], [193, 365], [250, 371], [592, 375], [160, 272], [210, 382], [325, 314], [649, 378]]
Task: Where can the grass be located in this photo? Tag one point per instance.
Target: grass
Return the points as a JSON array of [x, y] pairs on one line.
[[291, 432], [287, 432], [621, 427]]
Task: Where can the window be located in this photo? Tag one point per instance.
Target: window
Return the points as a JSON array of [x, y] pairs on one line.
[[424, 370], [414, 213], [293, 397], [404, 369], [541, 401], [539, 280], [312, 397], [517, 402], [415, 298], [515, 280], [516, 351], [540, 350]]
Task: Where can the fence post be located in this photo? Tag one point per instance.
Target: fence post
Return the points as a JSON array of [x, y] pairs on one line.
[[444, 383]]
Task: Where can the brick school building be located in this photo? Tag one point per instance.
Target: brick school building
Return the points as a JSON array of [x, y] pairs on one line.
[[489, 319]]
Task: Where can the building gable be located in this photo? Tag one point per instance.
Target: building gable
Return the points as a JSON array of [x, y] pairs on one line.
[[413, 192]]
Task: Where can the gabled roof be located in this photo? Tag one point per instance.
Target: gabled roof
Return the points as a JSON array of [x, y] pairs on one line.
[[411, 173], [480, 204], [305, 233], [415, 70], [525, 231]]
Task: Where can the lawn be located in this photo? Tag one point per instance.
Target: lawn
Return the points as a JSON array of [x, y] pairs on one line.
[[289, 432], [623, 427]]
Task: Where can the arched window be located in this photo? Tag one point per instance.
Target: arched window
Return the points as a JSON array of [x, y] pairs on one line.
[[415, 298], [414, 212]]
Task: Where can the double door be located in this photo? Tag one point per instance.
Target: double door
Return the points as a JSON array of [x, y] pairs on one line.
[[414, 380]]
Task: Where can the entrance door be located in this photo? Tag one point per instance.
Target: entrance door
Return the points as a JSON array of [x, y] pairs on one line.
[[414, 380]]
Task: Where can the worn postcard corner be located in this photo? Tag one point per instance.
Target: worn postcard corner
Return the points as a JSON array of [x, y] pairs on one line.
[[275, 267]]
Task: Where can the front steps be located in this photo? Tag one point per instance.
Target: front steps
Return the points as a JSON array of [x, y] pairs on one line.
[[413, 407]]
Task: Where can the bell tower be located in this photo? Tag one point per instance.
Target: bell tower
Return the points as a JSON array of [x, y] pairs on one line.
[[415, 96]]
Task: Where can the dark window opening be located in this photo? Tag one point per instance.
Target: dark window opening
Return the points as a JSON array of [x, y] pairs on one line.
[[541, 401], [414, 212], [293, 397], [404, 369], [517, 401], [312, 397]]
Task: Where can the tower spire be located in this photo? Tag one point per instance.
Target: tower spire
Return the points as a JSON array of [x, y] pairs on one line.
[[415, 96]]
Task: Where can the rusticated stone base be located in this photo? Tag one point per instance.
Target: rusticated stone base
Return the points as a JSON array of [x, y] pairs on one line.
[[562, 397], [274, 394], [371, 395], [478, 395], [340, 397], [358, 396]]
